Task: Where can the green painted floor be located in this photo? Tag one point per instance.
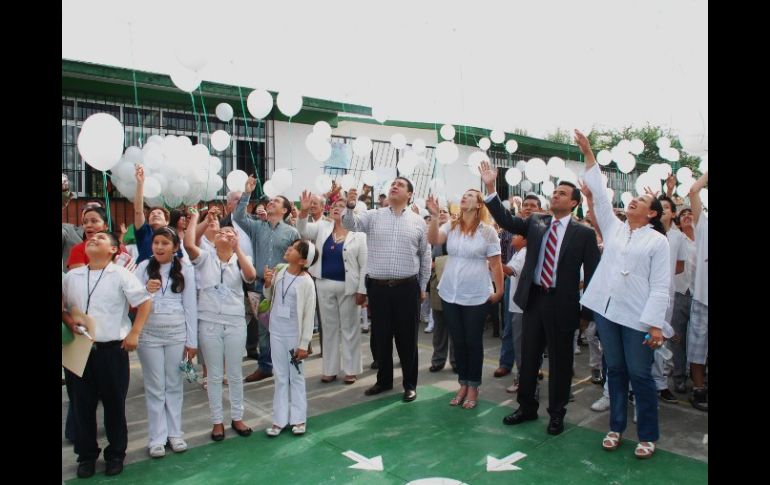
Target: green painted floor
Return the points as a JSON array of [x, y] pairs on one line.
[[423, 439]]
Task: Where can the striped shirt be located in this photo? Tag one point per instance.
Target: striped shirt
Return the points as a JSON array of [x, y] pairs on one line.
[[398, 244]]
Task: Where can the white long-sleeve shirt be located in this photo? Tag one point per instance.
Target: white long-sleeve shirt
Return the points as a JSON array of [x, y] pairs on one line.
[[631, 283]]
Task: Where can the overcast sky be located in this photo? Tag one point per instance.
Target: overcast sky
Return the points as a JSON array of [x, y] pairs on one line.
[[536, 65]]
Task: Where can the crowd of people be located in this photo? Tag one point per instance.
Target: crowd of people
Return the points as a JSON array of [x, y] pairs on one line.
[[259, 282]]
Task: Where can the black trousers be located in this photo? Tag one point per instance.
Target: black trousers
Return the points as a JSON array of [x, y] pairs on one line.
[[395, 312], [105, 377], [541, 327]]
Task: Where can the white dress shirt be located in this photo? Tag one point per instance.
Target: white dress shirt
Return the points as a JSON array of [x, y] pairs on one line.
[[111, 290], [678, 252], [516, 264], [466, 279], [702, 260], [560, 230], [685, 280], [631, 283]]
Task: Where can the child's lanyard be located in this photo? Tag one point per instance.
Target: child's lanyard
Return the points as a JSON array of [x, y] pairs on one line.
[[88, 286], [285, 290]]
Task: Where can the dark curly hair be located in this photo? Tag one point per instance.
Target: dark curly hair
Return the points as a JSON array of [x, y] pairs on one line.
[[153, 267]]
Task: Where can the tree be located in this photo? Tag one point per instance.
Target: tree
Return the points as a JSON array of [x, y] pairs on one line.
[[560, 136]]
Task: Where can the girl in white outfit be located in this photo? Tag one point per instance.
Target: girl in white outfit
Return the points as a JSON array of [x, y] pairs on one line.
[[169, 336], [292, 295]]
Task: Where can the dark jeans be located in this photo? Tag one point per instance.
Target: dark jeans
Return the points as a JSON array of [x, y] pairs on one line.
[[629, 360], [395, 311], [105, 377], [466, 326]]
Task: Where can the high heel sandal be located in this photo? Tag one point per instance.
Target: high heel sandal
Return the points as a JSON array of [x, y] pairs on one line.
[[471, 403], [459, 398]]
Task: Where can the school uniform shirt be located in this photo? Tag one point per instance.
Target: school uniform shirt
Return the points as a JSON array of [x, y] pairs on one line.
[[685, 281], [702, 260], [220, 296], [678, 252], [105, 295]]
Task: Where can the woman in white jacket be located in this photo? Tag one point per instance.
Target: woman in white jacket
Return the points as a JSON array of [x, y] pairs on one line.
[[291, 292], [629, 295], [341, 288]]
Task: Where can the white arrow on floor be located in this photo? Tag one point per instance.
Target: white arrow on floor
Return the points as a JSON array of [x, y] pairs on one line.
[[364, 463], [504, 464]]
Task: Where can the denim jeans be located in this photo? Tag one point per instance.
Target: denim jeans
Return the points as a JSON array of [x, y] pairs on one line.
[[629, 360], [466, 326]]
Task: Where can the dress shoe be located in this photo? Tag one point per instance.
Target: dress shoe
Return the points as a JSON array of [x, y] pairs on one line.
[[257, 376], [454, 369], [328, 379], [518, 417], [218, 436], [502, 372], [376, 389], [242, 432], [555, 425], [86, 468], [436, 368], [374, 365], [410, 395], [114, 466]]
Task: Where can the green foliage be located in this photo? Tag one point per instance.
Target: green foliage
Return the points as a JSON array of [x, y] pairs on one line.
[[561, 136]]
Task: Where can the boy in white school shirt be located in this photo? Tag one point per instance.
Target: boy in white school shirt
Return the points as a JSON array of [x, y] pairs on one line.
[[104, 291]]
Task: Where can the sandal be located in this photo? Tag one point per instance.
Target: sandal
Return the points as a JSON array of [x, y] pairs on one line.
[[298, 429], [204, 384], [471, 403], [273, 430], [459, 397], [644, 449], [349, 379], [611, 441]]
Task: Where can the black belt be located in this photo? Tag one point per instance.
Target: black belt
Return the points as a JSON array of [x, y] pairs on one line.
[[546, 290], [106, 345], [391, 283]]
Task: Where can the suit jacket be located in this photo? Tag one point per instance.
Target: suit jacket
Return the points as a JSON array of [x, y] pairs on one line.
[[578, 248]]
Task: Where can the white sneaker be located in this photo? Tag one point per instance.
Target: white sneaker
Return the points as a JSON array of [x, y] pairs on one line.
[[158, 451], [178, 445], [601, 404], [429, 329]]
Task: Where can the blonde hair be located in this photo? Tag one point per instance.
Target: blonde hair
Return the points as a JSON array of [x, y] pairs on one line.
[[482, 215]]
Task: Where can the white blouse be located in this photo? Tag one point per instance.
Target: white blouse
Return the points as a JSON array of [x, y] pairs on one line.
[[466, 279], [631, 283]]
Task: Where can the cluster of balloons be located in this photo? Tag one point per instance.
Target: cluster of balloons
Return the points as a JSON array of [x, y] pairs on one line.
[[666, 151], [318, 143]]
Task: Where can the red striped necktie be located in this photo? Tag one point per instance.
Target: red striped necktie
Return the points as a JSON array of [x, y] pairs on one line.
[[549, 260]]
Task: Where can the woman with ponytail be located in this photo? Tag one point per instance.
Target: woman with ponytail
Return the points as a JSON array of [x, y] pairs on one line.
[[629, 294], [169, 337]]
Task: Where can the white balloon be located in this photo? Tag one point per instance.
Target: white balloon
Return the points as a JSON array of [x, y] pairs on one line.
[[172, 201], [370, 178], [521, 165], [322, 152], [184, 141], [513, 176], [418, 146], [362, 146], [604, 157], [626, 163], [236, 180], [282, 179], [626, 197], [322, 129], [151, 187], [703, 167], [683, 189], [673, 155], [153, 157], [289, 103], [507, 204], [684, 174], [124, 170], [156, 139], [323, 183], [179, 187], [637, 146], [511, 146], [224, 112], [397, 140], [484, 143], [259, 103], [663, 142], [380, 114], [214, 165], [647, 180], [360, 207], [555, 167], [214, 183], [447, 132], [447, 152], [421, 164], [406, 166], [497, 136], [474, 160], [665, 170], [624, 145], [547, 188], [200, 153], [220, 140], [536, 170], [269, 189], [185, 79], [100, 142], [618, 154], [348, 181], [437, 186], [419, 202], [191, 56], [133, 154], [526, 185]]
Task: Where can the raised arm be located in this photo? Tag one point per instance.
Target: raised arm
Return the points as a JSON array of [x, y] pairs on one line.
[[352, 221], [190, 239], [501, 215], [603, 213], [139, 198], [435, 237], [308, 230], [695, 202], [247, 223], [247, 268]]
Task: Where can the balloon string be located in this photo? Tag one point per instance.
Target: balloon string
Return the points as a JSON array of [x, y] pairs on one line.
[[107, 200], [248, 132], [197, 117]]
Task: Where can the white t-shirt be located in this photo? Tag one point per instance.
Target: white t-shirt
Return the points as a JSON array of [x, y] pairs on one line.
[[678, 252], [466, 279], [686, 280], [702, 260], [516, 264]]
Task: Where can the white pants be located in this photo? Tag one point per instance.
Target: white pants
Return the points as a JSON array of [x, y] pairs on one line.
[[163, 390], [289, 385], [341, 336], [223, 345], [594, 346]]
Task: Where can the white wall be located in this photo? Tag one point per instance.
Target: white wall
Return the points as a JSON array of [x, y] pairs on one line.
[[290, 152]]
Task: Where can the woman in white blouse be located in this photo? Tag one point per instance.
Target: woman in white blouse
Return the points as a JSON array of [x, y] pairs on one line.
[[169, 337], [629, 295], [339, 277], [466, 288]]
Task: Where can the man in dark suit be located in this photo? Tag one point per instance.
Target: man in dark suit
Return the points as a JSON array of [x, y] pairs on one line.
[[549, 294]]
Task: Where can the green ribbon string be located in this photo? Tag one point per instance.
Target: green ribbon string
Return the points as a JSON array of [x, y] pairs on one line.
[[107, 200], [248, 132]]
